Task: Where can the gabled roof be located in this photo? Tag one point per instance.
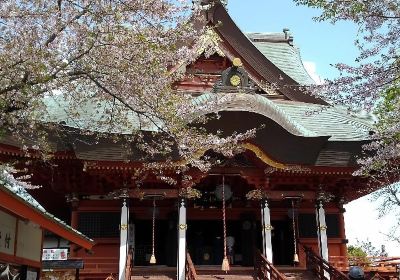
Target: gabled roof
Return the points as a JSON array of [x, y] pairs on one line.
[[280, 50], [260, 68], [16, 199]]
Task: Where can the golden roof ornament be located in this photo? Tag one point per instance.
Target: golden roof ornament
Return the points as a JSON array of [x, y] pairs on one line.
[[237, 62]]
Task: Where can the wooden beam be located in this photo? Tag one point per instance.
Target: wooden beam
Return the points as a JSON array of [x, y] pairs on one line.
[[164, 193], [279, 195]]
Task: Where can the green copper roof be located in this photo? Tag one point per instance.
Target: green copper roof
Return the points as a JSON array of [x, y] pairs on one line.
[[294, 116], [298, 118], [327, 120], [92, 115], [281, 52]]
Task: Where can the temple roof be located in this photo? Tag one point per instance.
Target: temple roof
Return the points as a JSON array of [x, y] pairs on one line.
[[326, 121], [257, 61], [91, 115], [280, 50], [298, 118], [9, 185]]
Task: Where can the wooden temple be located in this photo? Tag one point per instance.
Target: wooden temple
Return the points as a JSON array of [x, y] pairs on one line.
[[284, 192], [23, 226]]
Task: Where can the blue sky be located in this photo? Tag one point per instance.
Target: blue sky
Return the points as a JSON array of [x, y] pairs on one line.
[[323, 44], [319, 42]]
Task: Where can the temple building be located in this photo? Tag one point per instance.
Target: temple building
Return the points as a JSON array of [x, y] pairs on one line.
[[283, 193], [24, 225]]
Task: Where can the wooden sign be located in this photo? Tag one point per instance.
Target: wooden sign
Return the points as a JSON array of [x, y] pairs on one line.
[[7, 233]]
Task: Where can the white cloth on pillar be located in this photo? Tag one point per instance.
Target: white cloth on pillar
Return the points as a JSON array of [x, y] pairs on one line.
[[181, 241], [322, 234], [123, 247], [267, 231]]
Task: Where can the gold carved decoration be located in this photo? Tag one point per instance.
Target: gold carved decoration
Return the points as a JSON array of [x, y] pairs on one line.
[[237, 62], [261, 155], [123, 227], [183, 226], [268, 227], [323, 228], [235, 80]]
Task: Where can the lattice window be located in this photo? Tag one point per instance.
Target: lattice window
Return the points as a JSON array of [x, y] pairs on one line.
[[99, 224]]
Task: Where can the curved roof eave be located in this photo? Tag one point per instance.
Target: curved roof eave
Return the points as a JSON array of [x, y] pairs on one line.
[[255, 104], [294, 117]]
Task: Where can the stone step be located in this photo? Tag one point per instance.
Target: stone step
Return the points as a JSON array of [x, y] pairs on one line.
[[203, 273], [153, 277], [153, 273], [225, 277], [299, 275]]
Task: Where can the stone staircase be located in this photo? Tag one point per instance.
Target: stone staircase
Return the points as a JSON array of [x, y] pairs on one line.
[[153, 273], [203, 273], [294, 273], [215, 273]]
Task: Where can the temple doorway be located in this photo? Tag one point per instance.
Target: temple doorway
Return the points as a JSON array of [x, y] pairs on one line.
[[205, 241], [165, 242], [282, 242]]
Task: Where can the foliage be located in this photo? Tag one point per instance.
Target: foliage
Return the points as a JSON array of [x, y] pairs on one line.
[[364, 249], [355, 251], [107, 68], [370, 249], [372, 84], [378, 42], [13, 177], [374, 79], [380, 161]]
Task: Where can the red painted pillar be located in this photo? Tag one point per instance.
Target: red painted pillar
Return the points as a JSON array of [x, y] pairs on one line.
[[74, 221]]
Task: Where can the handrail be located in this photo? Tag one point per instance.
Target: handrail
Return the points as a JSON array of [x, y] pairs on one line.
[[129, 265], [190, 269], [322, 269], [264, 270]]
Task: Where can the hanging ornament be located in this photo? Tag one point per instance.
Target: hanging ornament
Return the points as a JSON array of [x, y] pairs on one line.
[[153, 256], [296, 256], [225, 262]]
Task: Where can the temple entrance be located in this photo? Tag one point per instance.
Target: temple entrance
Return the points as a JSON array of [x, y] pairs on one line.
[[282, 242], [205, 241], [165, 242]]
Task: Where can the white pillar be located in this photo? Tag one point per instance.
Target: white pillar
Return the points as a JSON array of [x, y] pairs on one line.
[[123, 247], [322, 236], [267, 228], [182, 227]]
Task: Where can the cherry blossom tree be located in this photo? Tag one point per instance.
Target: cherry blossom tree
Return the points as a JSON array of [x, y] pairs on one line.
[[120, 58], [373, 84]]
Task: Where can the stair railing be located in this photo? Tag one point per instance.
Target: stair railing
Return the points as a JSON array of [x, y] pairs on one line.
[[190, 269], [264, 270], [321, 268]]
